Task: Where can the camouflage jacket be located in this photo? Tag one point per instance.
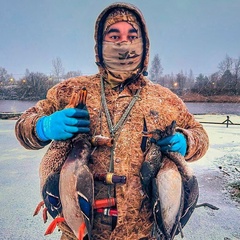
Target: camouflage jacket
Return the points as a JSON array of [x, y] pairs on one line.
[[156, 104]]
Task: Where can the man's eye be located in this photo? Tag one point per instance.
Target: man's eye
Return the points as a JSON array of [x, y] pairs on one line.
[[133, 37], [114, 37]]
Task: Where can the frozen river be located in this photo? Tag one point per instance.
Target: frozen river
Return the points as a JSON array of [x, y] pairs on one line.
[[195, 108]]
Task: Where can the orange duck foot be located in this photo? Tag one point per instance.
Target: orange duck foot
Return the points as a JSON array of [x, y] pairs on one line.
[[81, 231], [38, 208], [45, 217], [53, 225]]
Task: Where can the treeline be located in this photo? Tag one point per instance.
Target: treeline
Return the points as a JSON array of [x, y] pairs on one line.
[[226, 81], [34, 85]]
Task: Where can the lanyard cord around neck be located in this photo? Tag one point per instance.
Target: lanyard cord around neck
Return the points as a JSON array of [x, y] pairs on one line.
[[120, 123]]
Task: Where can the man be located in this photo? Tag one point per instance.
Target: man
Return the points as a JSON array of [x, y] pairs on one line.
[[121, 102]]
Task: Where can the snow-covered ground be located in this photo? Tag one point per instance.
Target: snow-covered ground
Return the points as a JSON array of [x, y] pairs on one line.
[[219, 167], [19, 186]]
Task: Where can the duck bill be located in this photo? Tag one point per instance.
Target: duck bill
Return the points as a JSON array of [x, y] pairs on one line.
[[83, 96], [78, 99]]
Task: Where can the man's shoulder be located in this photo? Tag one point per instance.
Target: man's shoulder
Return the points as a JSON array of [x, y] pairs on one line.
[[155, 87], [66, 87], [83, 79]]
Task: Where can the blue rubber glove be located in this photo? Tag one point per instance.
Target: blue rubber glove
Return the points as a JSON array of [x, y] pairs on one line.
[[63, 124], [174, 143]]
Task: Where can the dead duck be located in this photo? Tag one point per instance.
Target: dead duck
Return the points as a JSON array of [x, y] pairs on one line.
[[76, 185], [153, 157], [51, 166], [171, 186]]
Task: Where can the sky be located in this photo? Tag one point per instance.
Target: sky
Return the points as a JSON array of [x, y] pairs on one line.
[[186, 34]]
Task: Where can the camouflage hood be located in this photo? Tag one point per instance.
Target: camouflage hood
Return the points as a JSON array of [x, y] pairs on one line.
[[99, 28]]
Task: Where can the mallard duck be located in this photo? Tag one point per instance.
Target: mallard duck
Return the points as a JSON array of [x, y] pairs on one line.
[[51, 166], [76, 185]]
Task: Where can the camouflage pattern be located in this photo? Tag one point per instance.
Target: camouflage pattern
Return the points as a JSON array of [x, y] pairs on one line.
[[99, 31]]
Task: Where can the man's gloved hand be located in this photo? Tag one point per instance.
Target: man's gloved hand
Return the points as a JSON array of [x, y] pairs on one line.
[[174, 143], [63, 124]]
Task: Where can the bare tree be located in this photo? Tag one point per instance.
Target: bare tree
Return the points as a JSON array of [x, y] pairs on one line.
[[226, 64], [229, 70], [214, 79], [236, 75], [181, 81], [71, 74], [189, 80], [58, 70], [33, 86], [169, 81], [156, 69], [5, 78]]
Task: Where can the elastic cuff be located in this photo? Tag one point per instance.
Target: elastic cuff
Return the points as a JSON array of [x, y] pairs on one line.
[[40, 131], [184, 133]]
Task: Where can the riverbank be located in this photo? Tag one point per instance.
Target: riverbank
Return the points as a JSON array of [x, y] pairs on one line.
[[195, 97], [197, 104], [216, 172], [187, 97], [10, 115]]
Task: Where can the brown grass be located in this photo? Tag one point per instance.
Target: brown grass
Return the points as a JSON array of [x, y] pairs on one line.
[[235, 190], [195, 97]]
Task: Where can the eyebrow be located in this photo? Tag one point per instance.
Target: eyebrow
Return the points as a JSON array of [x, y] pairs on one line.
[[133, 30], [115, 30]]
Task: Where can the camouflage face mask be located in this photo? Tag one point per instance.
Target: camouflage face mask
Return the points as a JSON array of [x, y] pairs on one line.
[[122, 60]]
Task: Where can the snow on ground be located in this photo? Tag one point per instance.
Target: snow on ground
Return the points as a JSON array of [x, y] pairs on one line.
[[19, 186], [224, 150], [219, 167]]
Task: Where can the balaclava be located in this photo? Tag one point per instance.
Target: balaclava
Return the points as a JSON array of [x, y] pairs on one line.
[[122, 60]]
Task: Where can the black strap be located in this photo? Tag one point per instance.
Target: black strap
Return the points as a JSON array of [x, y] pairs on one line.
[[144, 138]]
